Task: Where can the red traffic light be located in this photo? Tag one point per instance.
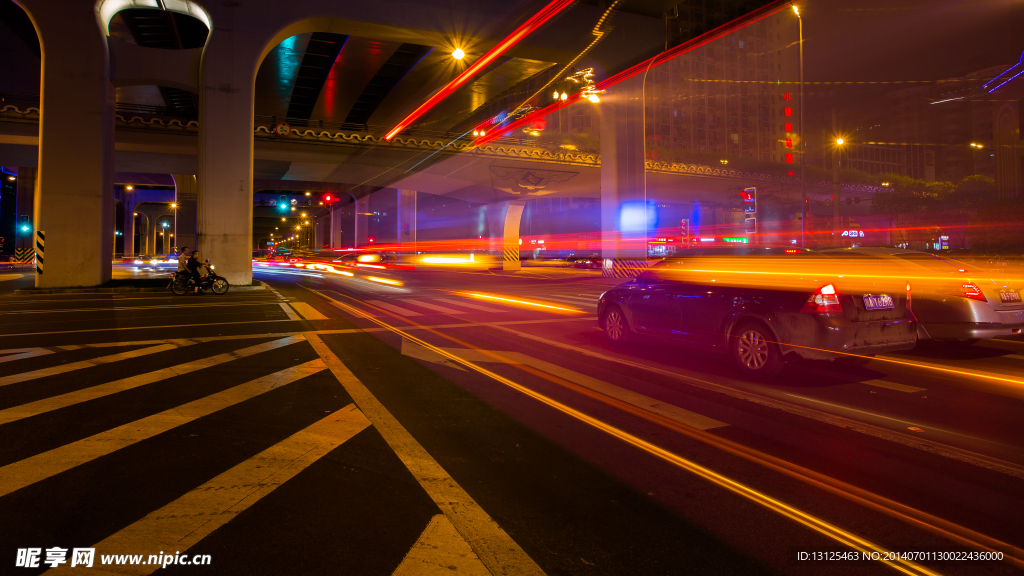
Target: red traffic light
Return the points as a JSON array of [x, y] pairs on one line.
[[327, 198]]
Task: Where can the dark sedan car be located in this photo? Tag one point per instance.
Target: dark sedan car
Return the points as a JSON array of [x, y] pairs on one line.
[[955, 302], [765, 306]]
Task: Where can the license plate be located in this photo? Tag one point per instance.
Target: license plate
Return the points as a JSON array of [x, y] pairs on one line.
[[879, 302], [1009, 296]]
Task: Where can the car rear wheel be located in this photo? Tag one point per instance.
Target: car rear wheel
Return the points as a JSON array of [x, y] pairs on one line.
[[754, 351], [616, 330]]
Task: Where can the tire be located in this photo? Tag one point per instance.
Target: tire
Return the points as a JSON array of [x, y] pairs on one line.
[[753, 351], [614, 325], [178, 288], [219, 286]]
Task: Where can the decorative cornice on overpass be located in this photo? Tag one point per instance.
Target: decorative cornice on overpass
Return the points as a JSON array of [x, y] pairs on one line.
[[501, 150], [701, 170]]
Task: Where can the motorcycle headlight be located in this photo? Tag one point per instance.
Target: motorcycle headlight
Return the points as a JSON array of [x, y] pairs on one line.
[[212, 267]]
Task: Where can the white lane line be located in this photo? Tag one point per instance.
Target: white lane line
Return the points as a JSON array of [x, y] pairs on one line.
[[197, 339], [495, 548], [41, 466], [672, 412], [307, 311], [397, 310], [892, 386], [859, 426], [84, 395], [469, 305], [440, 549], [288, 310], [123, 328], [564, 300], [64, 368], [429, 306], [184, 522], [846, 379], [123, 308], [22, 353]]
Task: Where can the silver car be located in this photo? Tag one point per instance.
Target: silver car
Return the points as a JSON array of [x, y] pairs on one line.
[[953, 301]]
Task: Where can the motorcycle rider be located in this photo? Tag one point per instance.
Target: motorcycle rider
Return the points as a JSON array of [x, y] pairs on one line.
[[193, 265], [182, 263]]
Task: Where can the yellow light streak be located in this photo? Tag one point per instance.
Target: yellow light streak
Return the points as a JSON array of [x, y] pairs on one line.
[[814, 523], [383, 280], [527, 303]]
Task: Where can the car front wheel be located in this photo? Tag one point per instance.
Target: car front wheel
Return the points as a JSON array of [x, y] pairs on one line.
[[754, 351], [616, 330]]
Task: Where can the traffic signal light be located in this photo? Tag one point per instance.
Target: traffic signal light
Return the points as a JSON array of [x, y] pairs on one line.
[[750, 208]]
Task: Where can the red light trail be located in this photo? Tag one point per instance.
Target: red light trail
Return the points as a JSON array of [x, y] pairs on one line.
[[710, 36], [511, 40]]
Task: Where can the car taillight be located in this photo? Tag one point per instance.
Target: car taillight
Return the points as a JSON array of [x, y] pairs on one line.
[[908, 295], [971, 290], [824, 301]]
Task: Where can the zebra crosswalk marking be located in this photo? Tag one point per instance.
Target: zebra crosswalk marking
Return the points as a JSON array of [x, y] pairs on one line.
[[495, 548], [65, 368], [429, 306], [64, 400], [288, 310], [181, 524], [469, 305], [307, 311], [41, 466], [396, 309], [22, 353]]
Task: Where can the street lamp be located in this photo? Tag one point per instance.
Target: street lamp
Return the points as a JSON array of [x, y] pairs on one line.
[[458, 54], [835, 179]]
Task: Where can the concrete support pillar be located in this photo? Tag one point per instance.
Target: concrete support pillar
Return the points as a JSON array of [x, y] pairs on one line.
[[73, 199], [143, 233], [185, 213], [129, 227], [406, 220], [503, 220], [362, 221], [623, 190], [230, 59]]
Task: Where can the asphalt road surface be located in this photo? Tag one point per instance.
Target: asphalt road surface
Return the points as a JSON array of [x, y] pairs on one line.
[[460, 422]]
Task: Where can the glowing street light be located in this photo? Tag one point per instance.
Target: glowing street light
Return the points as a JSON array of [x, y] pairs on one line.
[[839, 141], [12, 178], [973, 145], [458, 54], [173, 205], [129, 188], [593, 98]]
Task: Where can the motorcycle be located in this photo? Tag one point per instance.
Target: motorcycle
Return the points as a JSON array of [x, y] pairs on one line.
[[182, 282]]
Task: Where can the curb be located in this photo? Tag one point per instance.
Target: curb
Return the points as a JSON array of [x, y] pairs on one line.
[[119, 290]]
